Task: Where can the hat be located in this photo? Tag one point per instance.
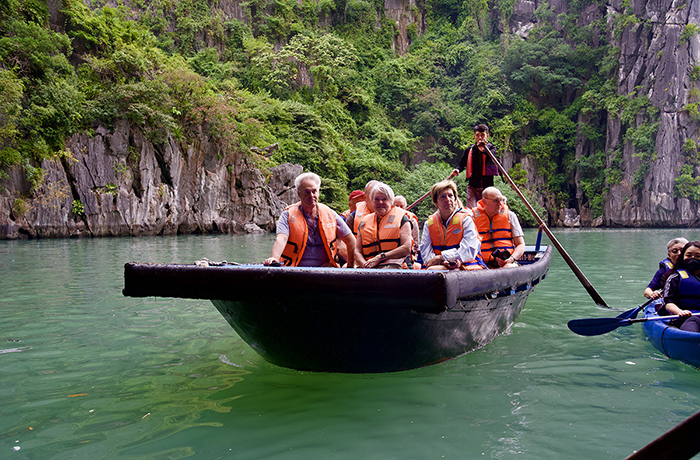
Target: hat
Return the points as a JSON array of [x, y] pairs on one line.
[[357, 194]]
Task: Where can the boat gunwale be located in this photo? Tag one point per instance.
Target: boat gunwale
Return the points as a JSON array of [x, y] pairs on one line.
[[422, 290]]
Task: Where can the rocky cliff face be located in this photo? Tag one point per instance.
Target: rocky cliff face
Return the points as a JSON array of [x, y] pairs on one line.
[[118, 183], [656, 60]]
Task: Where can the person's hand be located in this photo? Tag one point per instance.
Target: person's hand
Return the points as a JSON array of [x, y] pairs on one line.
[[655, 295], [685, 313], [455, 172], [373, 262], [452, 264], [267, 262], [504, 262]]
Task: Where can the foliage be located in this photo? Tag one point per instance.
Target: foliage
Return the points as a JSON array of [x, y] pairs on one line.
[[78, 208], [592, 182], [690, 30], [19, 207], [516, 204], [687, 184], [418, 180], [322, 79]]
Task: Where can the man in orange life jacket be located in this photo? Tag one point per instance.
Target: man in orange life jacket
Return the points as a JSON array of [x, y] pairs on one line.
[[356, 196], [480, 169], [400, 202], [499, 229], [307, 231]]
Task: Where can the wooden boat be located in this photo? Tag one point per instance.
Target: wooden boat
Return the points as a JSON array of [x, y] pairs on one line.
[[352, 320], [671, 341]]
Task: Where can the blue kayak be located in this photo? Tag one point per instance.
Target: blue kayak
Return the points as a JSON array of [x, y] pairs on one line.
[[671, 341]]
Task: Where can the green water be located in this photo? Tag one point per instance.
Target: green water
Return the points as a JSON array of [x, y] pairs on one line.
[[86, 373]]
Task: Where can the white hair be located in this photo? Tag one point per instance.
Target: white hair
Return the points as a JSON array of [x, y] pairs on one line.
[[306, 176], [676, 241], [381, 187]]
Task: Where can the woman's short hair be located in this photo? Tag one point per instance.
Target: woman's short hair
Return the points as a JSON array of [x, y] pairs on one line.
[[676, 241], [306, 176], [381, 187], [436, 189]]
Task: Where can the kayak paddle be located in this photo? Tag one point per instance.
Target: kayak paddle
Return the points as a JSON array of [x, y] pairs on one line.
[[598, 326], [632, 314]]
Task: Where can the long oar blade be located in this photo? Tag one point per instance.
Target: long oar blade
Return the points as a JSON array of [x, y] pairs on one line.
[[596, 326]]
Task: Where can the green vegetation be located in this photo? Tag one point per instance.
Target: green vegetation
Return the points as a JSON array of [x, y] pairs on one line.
[[321, 79], [78, 208]]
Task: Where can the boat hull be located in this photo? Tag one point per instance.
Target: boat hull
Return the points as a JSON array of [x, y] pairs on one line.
[[352, 321], [671, 341], [357, 339]]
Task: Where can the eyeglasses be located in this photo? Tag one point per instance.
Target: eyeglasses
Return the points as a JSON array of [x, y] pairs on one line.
[[674, 251], [497, 200]]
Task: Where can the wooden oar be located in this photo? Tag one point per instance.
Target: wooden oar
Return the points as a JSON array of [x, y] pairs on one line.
[[598, 326], [415, 203], [679, 443], [570, 262]]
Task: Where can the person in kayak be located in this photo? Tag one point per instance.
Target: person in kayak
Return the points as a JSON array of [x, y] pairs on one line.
[[450, 240], [682, 288], [502, 237], [307, 231], [384, 236], [656, 285]]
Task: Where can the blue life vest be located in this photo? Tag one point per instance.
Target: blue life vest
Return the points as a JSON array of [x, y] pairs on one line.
[[666, 265], [688, 291]]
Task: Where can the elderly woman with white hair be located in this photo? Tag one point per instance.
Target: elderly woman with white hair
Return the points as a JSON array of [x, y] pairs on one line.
[[384, 237], [308, 231], [674, 248]]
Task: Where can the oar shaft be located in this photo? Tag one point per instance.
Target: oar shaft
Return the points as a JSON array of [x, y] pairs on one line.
[[570, 262], [658, 318], [415, 203]]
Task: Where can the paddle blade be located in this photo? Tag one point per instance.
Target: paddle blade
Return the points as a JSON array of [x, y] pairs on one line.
[[630, 314], [596, 326]]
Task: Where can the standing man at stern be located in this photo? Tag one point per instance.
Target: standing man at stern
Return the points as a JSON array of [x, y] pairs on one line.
[[480, 169], [307, 231]]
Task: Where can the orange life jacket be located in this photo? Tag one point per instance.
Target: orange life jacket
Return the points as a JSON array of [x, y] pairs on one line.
[[449, 238], [299, 234], [494, 232], [382, 237], [414, 244], [360, 212], [488, 167], [345, 214]]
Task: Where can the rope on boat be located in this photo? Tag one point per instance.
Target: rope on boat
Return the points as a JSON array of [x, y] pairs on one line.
[[204, 262]]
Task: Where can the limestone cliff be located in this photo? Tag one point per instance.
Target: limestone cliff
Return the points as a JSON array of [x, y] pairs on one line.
[[656, 60], [118, 183]]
